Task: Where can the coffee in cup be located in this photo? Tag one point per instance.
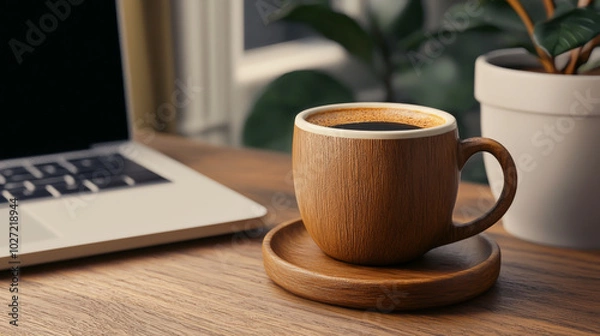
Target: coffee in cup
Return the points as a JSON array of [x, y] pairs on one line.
[[376, 183]]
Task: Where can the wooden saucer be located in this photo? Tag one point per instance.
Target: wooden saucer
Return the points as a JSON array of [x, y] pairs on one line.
[[445, 275]]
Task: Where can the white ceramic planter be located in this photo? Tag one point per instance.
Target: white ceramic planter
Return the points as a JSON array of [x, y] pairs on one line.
[[551, 126]]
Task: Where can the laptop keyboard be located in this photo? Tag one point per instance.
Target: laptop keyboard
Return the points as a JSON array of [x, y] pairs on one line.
[[80, 175]]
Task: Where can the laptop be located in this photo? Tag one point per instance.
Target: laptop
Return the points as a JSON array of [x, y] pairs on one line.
[[73, 182]]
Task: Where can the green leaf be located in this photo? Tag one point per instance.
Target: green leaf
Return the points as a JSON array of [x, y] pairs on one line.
[[589, 67], [411, 19], [398, 19], [564, 6], [442, 75], [567, 31], [488, 13], [335, 26], [413, 41], [479, 17], [270, 123], [435, 84]]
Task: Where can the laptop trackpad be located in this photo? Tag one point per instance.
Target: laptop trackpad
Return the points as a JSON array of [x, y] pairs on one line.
[[29, 229]]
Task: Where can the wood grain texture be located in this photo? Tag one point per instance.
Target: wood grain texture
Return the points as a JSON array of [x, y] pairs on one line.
[[387, 201], [468, 148], [373, 201], [218, 286], [446, 275]]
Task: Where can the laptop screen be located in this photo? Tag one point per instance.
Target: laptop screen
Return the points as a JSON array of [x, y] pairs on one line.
[[61, 78]]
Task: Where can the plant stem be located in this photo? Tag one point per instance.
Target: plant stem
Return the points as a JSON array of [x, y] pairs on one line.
[[587, 49], [575, 57], [573, 61], [549, 4], [583, 3], [517, 7], [545, 59]]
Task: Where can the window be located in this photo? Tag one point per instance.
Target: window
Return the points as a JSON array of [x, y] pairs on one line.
[[259, 32], [224, 50]]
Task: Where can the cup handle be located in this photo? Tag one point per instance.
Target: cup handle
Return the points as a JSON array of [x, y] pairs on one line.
[[466, 149]]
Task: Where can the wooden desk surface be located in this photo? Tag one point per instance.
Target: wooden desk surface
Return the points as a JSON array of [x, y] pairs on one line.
[[218, 285]]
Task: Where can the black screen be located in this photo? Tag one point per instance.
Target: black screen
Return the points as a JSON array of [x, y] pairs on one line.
[[61, 78]]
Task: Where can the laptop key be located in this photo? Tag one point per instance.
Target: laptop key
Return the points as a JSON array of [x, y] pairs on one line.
[[119, 165], [145, 176], [51, 169], [115, 164], [17, 170], [69, 186], [103, 179], [94, 173], [88, 164], [25, 191], [115, 171], [20, 178], [16, 174]]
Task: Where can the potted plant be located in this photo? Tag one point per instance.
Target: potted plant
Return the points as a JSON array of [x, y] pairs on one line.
[[544, 106]]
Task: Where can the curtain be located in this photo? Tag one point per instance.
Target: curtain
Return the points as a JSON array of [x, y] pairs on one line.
[[149, 45]]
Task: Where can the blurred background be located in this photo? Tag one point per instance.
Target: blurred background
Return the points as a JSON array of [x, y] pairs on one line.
[[235, 72]]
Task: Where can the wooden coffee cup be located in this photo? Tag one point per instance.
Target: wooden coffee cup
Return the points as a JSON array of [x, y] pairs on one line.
[[381, 197]]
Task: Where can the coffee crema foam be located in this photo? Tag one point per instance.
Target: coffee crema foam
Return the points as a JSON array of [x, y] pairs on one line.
[[375, 114]]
